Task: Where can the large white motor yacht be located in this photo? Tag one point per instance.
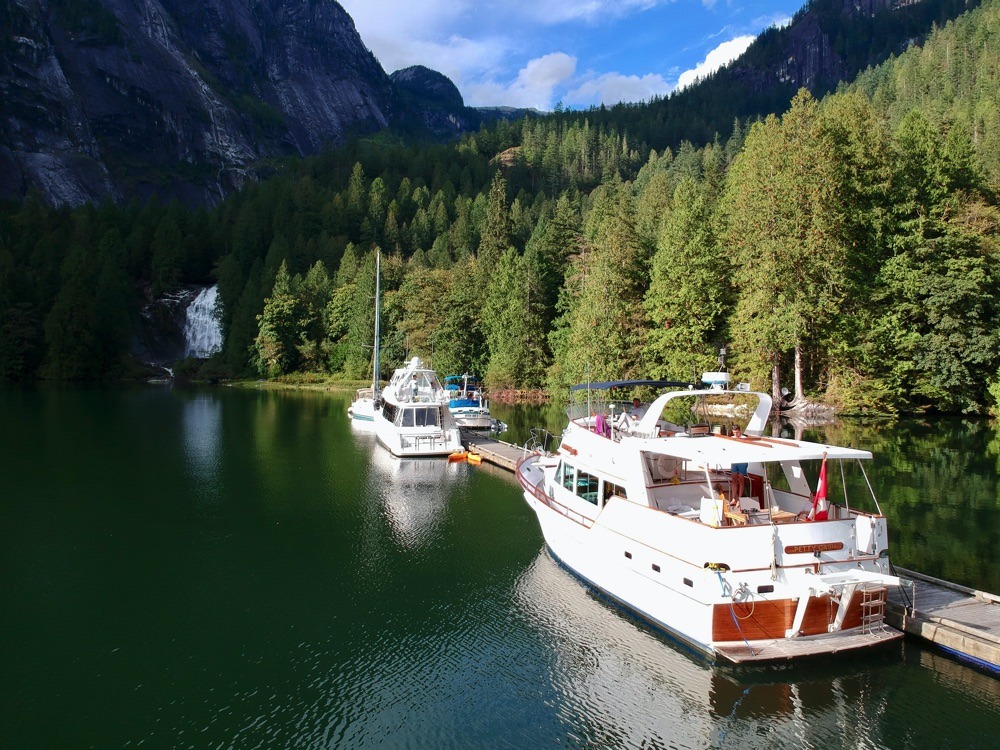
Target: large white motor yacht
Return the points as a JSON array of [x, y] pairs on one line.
[[722, 541]]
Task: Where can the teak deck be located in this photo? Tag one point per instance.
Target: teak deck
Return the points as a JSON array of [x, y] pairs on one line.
[[793, 648]]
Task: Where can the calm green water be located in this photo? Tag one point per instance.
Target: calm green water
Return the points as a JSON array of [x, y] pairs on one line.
[[232, 569]]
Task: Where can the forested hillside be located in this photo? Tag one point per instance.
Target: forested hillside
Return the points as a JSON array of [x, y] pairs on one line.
[[846, 250], [826, 42]]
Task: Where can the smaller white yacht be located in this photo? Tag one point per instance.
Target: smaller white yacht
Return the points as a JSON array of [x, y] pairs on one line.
[[412, 416], [362, 408], [468, 404]]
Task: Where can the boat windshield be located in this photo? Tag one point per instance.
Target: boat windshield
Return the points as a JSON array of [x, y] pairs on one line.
[[418, 416]]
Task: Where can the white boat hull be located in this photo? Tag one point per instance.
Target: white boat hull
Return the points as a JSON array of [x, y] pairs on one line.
[[472, 418], [362, 413], [418, 443], [576, 547]]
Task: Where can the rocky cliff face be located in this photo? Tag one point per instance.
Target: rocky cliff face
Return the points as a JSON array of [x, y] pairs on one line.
[[431, 105], [128, 98], [829, 41]]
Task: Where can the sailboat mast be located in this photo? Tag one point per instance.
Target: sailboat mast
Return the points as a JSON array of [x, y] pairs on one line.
[[378, 327]]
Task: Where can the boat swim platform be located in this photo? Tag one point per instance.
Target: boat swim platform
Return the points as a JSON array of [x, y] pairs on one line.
[[962, 621], [787, 649]]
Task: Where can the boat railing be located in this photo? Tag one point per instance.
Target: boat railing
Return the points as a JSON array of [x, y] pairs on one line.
[[540, 441], [564, 510], [417, 442]]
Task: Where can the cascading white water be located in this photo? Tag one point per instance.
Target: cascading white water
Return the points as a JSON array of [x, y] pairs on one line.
[[202, 334]]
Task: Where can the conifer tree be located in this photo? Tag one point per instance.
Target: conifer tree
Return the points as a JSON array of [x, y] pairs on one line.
[[512, 323], [421, 313], [313, 292], [458, 342], [357, 195], [279, 328], [785, 232], [603, 330], [495, 231], [167, 256], [938, 292], [686, 300], [72, 327], [361, 320]]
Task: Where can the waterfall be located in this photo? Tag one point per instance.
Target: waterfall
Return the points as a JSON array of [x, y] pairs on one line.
[[202, 335]]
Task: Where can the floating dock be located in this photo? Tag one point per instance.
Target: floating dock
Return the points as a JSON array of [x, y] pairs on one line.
[[959, 620], [496, 452]]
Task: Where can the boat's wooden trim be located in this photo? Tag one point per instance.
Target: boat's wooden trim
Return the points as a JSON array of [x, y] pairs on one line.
[[820, 612], [760, 619], [753, 620]]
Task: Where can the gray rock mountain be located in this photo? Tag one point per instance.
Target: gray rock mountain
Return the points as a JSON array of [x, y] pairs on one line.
[[131, 98]]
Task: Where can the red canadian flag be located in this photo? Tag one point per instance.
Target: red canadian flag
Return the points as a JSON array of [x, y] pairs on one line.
[[820, 509]]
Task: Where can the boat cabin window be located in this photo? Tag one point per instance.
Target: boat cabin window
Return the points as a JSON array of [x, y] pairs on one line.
[[587, 486], [566, 475], [389, 412], [613, 490], [422, 416]]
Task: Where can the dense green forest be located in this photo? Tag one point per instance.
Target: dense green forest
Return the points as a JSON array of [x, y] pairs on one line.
[[846, 249]]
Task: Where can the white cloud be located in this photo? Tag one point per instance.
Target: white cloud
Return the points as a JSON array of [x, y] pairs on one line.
[[779, 20], [534, 86], [480, 57], [560, 11], [420, 32], [724, 53], [426, 18], [611, 88]]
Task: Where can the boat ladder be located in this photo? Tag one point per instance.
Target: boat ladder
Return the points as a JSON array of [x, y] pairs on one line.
[[873, 608], [872, 588]]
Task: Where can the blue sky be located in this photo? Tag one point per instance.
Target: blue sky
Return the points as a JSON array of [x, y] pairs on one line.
[[534, 53]]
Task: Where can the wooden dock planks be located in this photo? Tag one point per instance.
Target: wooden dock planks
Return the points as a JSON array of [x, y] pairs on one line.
[[958, 619], [497, 452]]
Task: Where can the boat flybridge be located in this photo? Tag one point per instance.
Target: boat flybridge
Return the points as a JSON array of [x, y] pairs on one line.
[[412, 417], [720, 540]]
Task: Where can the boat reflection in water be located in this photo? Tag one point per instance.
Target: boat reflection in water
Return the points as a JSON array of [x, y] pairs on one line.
[[623, 684], [414, 493]]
